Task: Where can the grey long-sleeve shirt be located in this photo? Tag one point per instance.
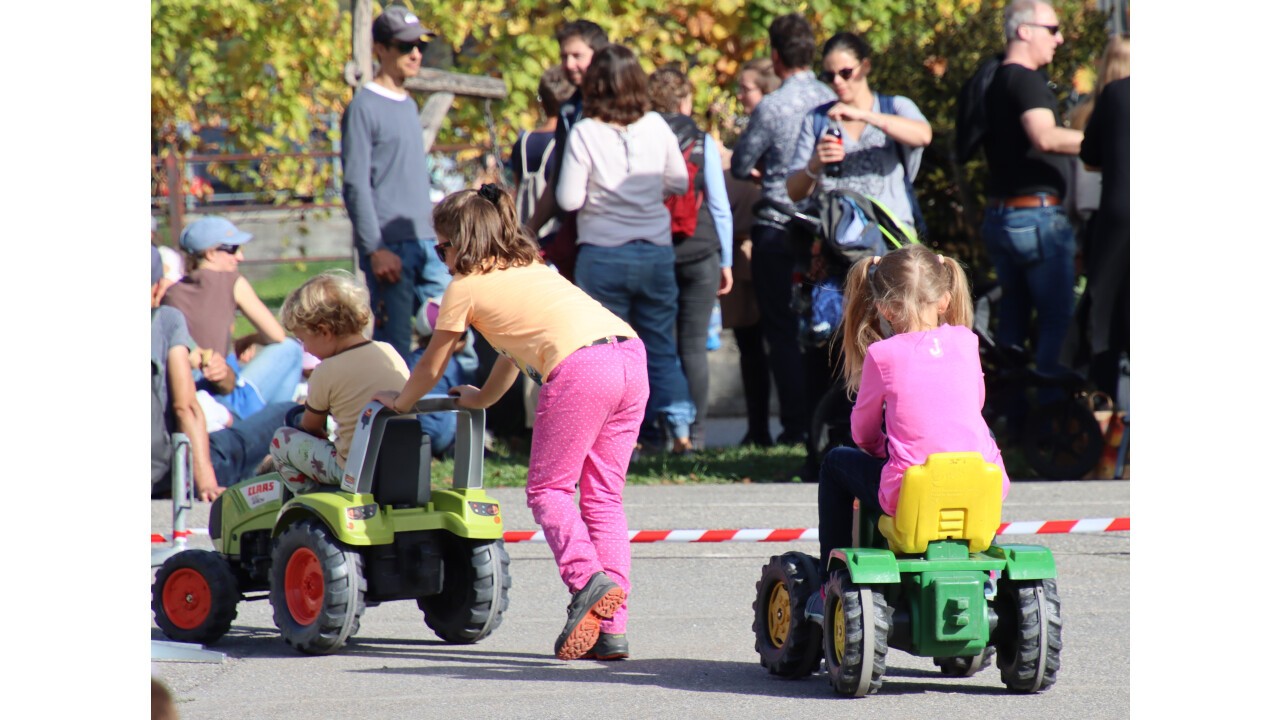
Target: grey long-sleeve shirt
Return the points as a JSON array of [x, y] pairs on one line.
[[385, 184]]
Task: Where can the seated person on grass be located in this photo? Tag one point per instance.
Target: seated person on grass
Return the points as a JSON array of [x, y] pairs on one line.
[[219, 459]]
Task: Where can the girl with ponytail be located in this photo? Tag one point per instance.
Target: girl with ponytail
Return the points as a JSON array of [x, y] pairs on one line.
[[911, 356]]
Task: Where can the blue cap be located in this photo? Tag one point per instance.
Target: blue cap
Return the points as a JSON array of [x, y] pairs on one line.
[[210, 232]]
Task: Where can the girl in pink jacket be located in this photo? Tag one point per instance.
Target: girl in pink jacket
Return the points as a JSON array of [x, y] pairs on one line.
[[920, 389]]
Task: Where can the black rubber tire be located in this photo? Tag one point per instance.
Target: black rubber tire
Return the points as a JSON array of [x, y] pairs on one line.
[[477, 579], [859, 615], [212, 612], [1062, 441], [788, 644], [829, 426], [341, 573], [966, 666], [1028, 634]]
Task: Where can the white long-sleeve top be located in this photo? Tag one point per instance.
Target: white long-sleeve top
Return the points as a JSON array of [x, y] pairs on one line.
[[617, 179]]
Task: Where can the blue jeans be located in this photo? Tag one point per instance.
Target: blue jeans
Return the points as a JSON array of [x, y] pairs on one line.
[[270, 377], [1033, 250], [637, 282], [236, 451], [847, 473], [422, 276]]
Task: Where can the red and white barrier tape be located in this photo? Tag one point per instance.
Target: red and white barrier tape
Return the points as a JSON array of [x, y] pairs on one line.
[[1025, 527]]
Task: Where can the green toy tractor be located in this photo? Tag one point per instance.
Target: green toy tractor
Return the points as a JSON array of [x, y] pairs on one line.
[[928, 581], [323, 556]]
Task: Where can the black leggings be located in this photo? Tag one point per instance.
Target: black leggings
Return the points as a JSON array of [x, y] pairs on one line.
[[847, 473], [697, 282]]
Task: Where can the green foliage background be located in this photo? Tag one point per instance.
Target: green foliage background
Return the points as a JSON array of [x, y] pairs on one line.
[[271, 70]]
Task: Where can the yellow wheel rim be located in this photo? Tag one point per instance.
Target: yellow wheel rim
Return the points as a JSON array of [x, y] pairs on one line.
[[837, 630], [779, 615]]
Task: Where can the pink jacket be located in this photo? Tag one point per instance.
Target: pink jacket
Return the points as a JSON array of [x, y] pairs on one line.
[[926, 389]]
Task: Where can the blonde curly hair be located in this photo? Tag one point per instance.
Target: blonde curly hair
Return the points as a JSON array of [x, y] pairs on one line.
[[332, 301]]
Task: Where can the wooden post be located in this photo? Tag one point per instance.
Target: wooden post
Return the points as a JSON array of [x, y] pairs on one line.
[[362, 41], [432, 116], [173, 175]]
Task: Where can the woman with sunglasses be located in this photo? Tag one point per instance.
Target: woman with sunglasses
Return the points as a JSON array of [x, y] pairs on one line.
[[883, 138], [260, 368]]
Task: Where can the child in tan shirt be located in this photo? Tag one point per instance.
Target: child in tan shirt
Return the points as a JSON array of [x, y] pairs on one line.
[[329, 314]]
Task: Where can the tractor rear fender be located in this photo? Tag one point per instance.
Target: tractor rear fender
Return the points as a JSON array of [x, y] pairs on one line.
[[1025, 562], [866, 565]]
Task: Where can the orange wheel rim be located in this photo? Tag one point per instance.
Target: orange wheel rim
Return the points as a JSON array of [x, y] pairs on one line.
[[303, 586], [187, 599]]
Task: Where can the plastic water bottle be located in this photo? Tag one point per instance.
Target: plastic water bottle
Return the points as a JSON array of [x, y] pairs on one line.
[[714, 328]]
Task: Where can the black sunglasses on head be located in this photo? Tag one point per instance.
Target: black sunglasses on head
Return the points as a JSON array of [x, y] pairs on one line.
[[827, 76], [440, 247]]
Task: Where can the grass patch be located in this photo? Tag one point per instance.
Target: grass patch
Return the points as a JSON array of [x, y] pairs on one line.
[[274, 287], [508, 467]]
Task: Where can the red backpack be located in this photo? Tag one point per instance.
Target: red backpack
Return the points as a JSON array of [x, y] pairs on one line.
[[684, 208]]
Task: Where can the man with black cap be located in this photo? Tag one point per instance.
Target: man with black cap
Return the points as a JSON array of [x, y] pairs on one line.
[[386, 187]]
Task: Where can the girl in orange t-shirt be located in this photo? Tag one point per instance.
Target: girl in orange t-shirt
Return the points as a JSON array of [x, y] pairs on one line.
[[592, 368]]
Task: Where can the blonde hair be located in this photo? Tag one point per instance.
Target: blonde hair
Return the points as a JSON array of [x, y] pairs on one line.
[[904, 283], [485, 232], [332, 301], [1112, 66]]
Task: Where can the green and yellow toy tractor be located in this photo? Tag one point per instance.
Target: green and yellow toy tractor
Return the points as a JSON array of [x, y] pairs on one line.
[[928, 581], [321, 557]]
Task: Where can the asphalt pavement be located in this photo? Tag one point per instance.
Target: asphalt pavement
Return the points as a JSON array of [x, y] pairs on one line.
[[692, 647]]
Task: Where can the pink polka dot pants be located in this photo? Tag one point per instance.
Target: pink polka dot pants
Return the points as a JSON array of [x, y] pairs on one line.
[[587, 422]]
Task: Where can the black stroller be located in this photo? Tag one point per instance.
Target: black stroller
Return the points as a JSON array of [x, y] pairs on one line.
[[843, 228]]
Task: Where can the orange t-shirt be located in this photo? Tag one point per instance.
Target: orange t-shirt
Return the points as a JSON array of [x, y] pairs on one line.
[[530, 314]]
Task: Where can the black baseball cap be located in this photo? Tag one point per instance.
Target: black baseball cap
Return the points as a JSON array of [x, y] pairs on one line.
[[397, 23]]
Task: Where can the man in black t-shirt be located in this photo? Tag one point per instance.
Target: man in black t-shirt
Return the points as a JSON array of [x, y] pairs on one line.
[[1027, 233]]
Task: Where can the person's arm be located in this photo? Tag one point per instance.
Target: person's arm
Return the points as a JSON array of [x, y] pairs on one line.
[[1091, 146], [675, 174], [810, 158], [575, 173], [357, 195], [190, 420], [718, 205], [269, 328], [425, 374], [751, 146], [906, 130], [215, 369], [501, 378], [1045, 134], [314, 423], [866, 420], [357, 183]]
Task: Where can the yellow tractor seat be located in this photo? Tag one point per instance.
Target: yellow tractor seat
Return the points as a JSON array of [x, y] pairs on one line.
[[953, 496]]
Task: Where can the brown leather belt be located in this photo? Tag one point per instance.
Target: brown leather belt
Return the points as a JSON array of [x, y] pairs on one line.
[[1026, 201]]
